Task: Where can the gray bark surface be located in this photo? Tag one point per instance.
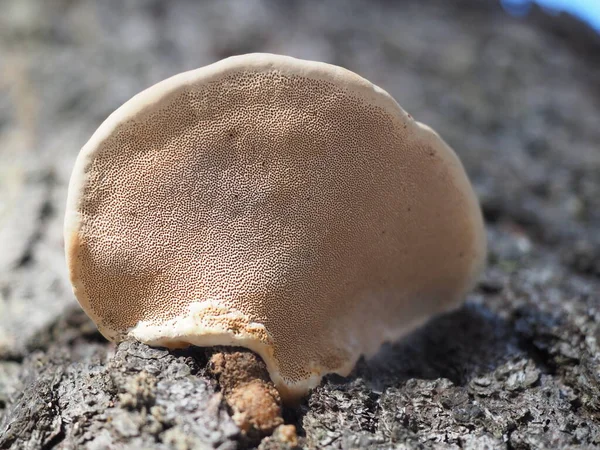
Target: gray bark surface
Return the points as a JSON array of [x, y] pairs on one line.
[[518, 367]]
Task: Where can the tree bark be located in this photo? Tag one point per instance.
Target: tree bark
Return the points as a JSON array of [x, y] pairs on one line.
[[517, 367]]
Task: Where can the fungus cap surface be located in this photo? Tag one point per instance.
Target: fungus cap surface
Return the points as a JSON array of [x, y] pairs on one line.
[[287, 206]]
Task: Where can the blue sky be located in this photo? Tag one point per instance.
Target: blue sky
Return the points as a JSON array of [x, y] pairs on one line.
[[588, 10]]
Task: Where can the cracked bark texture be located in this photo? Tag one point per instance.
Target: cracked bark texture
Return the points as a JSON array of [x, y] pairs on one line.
[[517, 367]]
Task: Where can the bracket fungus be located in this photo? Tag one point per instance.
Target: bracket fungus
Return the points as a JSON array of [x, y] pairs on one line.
[[287, 206]]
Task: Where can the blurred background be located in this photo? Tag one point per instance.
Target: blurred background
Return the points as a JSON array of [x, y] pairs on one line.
[[513, 86], [587, 10], [519, 105]]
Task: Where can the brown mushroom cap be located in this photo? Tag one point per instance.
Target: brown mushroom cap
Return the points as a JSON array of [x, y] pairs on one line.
[[287, 206]]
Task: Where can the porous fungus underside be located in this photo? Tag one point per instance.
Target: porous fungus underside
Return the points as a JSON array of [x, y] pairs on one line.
[[287, 206]]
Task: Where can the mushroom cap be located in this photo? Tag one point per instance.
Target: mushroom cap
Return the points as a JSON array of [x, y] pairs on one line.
[[287, 206]]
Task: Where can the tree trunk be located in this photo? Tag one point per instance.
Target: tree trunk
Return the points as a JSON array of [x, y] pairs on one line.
[[519, 99]]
